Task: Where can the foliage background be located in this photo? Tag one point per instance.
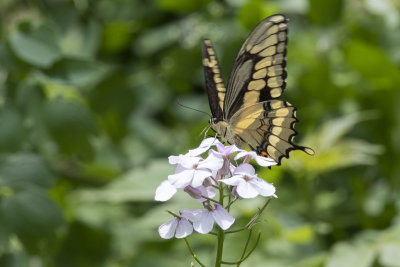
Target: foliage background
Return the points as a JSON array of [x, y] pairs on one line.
[[89, 114]]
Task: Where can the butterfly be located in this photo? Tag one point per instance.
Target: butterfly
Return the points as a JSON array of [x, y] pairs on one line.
[[248, 110]]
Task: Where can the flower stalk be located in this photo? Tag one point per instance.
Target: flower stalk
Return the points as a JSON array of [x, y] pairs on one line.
[[221, 233], [225, 171]]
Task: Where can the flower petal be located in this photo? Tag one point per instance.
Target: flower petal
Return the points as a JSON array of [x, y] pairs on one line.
[[167, 229], [208, 191], [192, 215], [243, 153], [204, 146], [188, 161], [226, 150], [204, 223], [246, 169], [212, 162], [199, 176], [182, 179], [184, 228], [165, 191], [264, 161], [265, 189], [173, 159], [222, 217], [246, 190], [234, 180]]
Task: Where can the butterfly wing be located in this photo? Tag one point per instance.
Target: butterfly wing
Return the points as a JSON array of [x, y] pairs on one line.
[[259, 71], [214, 83], [268, 128]]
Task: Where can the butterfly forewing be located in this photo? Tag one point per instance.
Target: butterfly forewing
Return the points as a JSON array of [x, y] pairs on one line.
[[215, 87], [259, 71]]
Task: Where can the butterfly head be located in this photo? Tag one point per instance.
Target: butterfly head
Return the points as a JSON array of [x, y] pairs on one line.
[[213, 121], [222, 129]]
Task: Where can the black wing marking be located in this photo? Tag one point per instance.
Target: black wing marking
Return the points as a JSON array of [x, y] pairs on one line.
[[259, 71], [214, 83]]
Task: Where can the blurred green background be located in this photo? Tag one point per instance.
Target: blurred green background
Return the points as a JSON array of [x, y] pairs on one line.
[[89, 114]]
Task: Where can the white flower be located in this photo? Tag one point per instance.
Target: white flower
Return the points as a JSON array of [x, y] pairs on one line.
[[262, 161], [194, 170], [165, 191], [203, 220], [248, 185], [178, 227], [204, 146]]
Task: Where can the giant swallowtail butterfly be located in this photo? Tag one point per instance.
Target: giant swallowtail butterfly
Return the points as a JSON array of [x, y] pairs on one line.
[[248, 110]]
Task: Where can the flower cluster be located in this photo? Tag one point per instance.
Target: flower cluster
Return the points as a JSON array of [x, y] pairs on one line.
[[201, 177]]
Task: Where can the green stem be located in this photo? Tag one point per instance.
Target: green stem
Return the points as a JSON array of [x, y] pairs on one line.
[[247, 244], [210, 199], [253, 220], [192, 252], [221, 232], [237, 263]]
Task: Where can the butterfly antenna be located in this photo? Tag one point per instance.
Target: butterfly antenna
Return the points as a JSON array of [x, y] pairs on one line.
[[205, 130], [193, 109]]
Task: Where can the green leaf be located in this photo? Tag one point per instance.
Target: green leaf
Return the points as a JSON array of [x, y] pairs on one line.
[[23, 170], [136, 185], [81, 41], [71, 124], [334, 150], [376, 201], [7, 59], [32, 215], [254, 11], [181, 5], [325, 12], [4, 236], [302, 234], [360, 255], [366, 58], [84, 246], [117, 36], [14, 259], [37, 47], [11, 136], [78, 72]]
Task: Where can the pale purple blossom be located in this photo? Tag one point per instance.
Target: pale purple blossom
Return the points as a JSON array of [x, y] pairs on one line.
[[248, 185], [195, 170], [203, 220], [180, 227], [225, 153], [199, 177]]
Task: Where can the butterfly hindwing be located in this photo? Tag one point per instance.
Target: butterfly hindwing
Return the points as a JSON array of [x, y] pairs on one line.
[[268, 128], [259, 71], [215, 87]]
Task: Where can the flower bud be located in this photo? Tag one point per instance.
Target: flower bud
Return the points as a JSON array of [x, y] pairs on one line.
[[207, 182], [193, 192]]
